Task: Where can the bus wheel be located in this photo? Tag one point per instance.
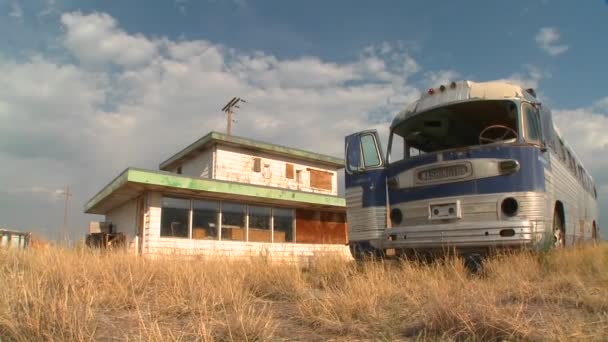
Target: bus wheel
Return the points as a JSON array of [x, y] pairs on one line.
[[363, 250], [559, 235]]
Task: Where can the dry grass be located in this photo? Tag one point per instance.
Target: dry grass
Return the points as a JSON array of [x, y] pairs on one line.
[[70, 295]]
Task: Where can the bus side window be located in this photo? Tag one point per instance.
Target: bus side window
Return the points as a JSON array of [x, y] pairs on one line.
[[532, 124], [397, 148], [371, 157]]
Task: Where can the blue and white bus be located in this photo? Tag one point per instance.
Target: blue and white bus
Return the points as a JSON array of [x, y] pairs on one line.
[[471, 167]]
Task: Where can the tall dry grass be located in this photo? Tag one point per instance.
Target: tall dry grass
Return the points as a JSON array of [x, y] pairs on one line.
[[67, 295]]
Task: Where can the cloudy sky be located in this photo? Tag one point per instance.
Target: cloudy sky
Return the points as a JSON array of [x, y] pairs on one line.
[[88, 88]]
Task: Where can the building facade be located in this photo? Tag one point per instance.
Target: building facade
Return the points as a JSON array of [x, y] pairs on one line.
[[227, 195]]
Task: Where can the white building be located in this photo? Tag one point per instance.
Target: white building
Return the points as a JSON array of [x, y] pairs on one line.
[[226, 195]]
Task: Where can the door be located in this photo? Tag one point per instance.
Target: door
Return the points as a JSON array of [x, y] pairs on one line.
[[365, 185]]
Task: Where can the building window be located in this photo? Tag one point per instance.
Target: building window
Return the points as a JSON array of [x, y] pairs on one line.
[[259, 224], [204, 219], [257, 164], [233, 221], [289, 171], [179, 170], [321, 179], [283, 225], [174, 217]]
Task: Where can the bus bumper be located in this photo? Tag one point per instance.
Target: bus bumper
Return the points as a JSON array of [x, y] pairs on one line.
[[464, 235]]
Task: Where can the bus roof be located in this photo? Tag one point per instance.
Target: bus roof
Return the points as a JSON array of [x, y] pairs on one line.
[[462, 91]]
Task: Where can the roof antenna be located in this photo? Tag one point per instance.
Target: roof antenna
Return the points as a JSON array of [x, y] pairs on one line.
[[228, 109]]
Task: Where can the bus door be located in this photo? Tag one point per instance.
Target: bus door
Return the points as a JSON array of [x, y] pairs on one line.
[[365, 180]]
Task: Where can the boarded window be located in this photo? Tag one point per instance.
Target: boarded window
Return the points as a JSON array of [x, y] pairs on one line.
[[320, 227], [320, 179], [257, 164], [289, 171]]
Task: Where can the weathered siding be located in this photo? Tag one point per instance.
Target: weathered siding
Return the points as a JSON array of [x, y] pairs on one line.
[[313, 226], [200, 165], [274, 251], [237, 165], [124, 220]]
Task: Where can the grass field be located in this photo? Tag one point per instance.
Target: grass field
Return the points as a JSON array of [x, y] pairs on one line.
[[73, 295]]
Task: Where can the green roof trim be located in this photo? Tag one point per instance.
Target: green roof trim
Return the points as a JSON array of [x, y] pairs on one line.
[[216, 137], [114, 185], [209, 186]]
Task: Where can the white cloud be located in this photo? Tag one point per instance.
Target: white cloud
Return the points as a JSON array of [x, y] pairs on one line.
[[585, 130], [433, 79], [547, 39], [530, 77], [95, 39]]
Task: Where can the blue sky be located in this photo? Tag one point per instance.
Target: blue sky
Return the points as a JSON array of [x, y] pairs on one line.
[[89, 86]]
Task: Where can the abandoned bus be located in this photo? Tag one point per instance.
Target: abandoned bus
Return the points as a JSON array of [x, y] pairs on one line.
[[471, 167]]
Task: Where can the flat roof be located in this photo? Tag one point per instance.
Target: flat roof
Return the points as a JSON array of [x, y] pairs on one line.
[[216, 137], [130, 183]]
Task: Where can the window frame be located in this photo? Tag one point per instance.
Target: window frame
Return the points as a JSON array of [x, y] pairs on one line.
[[220, 214], [524, 124], [189, 221], [376, 148]]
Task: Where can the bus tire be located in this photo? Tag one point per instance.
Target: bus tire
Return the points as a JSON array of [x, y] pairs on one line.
[[559, 232], [363, 250]]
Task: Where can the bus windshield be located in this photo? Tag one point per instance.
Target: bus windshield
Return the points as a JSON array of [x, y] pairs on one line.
[[455, 126]]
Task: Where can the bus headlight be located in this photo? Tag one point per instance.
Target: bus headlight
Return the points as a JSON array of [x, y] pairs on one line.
[[509, 206], [396, 216], [508, 166]]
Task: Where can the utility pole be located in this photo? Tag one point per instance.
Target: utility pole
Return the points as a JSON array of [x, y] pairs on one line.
[[64, 230], [228, 109]]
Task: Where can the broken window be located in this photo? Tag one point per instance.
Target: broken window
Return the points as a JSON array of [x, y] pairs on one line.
[[204, 219], [283, 225], [259, 224], [174, 217], [233, 221], [457, 126]]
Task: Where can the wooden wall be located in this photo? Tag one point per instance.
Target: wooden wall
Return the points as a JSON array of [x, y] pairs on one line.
[[313, 226]]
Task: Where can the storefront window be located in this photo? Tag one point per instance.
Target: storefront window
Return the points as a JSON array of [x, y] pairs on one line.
[[174, 217], [283, 225], [204, 219], [233, 221], [259, 224]]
